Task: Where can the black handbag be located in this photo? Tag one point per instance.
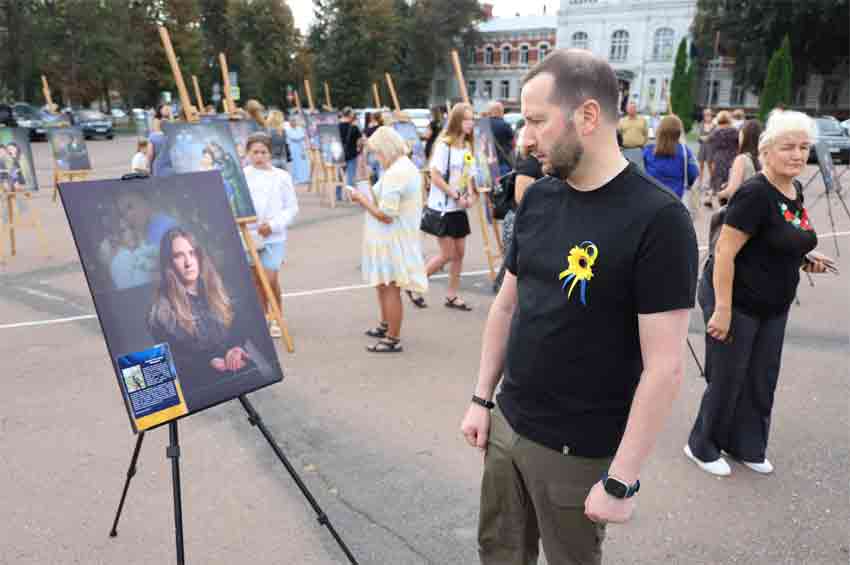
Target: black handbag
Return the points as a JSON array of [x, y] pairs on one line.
[[433, 221]]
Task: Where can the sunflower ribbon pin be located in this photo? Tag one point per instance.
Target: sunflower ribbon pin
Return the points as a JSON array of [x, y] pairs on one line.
[[579, 268], [468, 162]]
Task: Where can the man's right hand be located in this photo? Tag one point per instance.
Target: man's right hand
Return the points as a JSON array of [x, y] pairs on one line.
[[476, 426]]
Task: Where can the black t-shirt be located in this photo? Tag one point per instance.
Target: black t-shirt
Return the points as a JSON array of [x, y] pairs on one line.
[[529, 166], [587, 263], [504, 137], [349, 134], [767, 268]]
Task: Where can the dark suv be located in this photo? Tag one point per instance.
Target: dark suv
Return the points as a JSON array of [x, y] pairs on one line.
[[830, 132], [94, 123]]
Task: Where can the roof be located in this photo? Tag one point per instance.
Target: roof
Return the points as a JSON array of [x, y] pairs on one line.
[[519, 23]]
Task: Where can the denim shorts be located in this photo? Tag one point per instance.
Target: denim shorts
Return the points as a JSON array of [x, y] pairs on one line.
[[272, 255]]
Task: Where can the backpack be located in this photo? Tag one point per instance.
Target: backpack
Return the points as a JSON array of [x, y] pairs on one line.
[[503, 195]]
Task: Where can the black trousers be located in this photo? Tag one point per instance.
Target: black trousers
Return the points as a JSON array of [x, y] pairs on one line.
[[734, 415]]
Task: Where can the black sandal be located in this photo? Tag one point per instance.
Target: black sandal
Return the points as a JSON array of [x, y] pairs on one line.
[[418, 302], [453, 303], [379, 332], [386, 345]]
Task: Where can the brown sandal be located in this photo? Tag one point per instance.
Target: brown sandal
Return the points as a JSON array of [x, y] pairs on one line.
[[457, 304]]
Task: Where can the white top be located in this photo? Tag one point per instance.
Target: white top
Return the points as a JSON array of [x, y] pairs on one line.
[[437, 199], [274, 201], [140, 162]]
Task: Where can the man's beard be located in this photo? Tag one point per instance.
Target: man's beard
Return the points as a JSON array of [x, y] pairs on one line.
[[566, 153]]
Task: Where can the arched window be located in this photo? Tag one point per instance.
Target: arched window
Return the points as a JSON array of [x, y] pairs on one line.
[[488, 55], [580, 40], [523, 55], [506, 55], [470, 56], [542, 51], [619, 45], [662, 45]]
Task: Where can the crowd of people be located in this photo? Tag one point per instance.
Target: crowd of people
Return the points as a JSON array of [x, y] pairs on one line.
[[587, 332]]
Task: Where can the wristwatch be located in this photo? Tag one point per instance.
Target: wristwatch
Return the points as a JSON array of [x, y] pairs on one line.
[[618, 489], [489, 405]]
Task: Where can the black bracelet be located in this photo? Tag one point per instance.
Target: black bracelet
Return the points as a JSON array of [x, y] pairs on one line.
[[489, 405]]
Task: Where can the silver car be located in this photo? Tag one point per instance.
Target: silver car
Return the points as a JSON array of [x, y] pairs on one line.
[[830, 132]]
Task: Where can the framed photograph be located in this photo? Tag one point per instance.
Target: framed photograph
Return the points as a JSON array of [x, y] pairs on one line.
[[17, 169], [407, 130], [312, 129], [69, 149], [327, 125], [173, 291], [486, 158], [207, 147]]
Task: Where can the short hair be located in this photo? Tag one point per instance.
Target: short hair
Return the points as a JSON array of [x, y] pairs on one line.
[[388, 143], [782, 122], [724, 118], [258, 137], [668, 134], [142, 144], [739, 114], [579, 76], [347, 112]]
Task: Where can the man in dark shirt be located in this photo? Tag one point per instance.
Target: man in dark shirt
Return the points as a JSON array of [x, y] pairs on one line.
[[350, 136], [588, 330], [503, 136]]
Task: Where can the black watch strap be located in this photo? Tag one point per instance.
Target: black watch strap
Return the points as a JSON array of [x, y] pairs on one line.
[[488, 404], [619, 489]]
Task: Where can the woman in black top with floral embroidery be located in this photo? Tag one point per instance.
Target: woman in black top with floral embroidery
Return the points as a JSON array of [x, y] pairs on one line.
[[745, 293]]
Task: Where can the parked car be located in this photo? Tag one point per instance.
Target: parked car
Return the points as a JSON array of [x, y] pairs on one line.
[[830, 132], [420, 117], [94, 123], [29, 117], [7, 116], [118, 113], [846, 125]]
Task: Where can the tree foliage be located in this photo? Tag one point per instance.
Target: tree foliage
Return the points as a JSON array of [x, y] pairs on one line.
[[750, 30], [777, 84], [682, 86]]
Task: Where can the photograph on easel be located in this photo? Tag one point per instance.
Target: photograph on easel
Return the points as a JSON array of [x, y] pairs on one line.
[[312, 129], [407, 130], [241, 130], [69, 149], [327, 125], [17, 169], [485, 155], [165, 265], [207, 147]]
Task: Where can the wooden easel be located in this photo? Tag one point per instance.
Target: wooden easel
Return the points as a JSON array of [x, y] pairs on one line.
[[9, 197], [60, 176], [275, 302], [314, 154], [230, 105], [376, 95], [393, 93], [491, 257], [198, 98]]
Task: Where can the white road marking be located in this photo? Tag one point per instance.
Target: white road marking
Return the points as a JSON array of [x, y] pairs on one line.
[[296, 294]]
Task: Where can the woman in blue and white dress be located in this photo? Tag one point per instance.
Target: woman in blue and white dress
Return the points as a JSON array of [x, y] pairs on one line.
[[296, 138]]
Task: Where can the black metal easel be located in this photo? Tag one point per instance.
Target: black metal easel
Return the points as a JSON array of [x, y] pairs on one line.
[[173, 453], [829, 179]]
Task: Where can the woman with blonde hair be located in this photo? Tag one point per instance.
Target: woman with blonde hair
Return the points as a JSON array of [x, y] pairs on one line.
[[669, 161], [280, 149], [747, 288], [453, 172], [255, 111], [392, 251]]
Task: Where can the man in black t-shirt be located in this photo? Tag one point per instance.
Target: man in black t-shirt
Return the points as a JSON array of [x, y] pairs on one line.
[[350, 136], [503, 136], [588, 330]]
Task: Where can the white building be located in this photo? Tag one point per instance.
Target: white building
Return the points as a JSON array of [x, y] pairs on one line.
[[494, 68], [638, 37]]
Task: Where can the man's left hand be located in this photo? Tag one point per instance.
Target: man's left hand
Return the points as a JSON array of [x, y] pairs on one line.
[[601, 507]]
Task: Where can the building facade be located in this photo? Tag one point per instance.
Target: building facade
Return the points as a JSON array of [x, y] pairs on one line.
[[638, 37], [494, 68]]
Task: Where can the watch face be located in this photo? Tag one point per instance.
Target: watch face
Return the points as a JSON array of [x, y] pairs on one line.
[[615, 488]]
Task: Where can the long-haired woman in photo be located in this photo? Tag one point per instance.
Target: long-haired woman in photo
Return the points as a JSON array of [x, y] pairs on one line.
[[452, 192], [193, 313]]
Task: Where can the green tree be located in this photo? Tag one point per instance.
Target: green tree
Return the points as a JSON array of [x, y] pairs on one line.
[[681, 86], [777, 83], [750, 30]]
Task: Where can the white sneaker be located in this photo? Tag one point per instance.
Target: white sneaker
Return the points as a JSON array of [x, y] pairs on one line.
[[718, 467], [765, 467]]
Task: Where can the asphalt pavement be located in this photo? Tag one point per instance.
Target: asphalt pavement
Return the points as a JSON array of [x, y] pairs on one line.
[[375, 438]]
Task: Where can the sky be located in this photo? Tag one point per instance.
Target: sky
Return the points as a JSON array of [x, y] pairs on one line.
[[302, 10]]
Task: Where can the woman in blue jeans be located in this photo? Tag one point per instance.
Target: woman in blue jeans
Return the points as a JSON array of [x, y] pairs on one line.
[[746, 291]]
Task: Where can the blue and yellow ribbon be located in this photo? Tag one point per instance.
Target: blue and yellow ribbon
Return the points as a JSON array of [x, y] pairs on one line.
[[580, 263]]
